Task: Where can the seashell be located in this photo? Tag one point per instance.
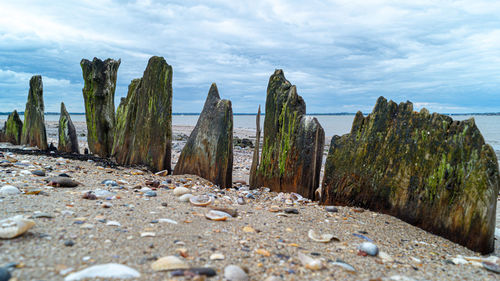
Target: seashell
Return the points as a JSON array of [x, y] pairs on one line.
[[491, 266], [322, 238], [14, 226], [368, 248], [108, 270], [310, 263], [201, 200], [235, 273], [217, 256], [169, 263], [185, 197], [178, 191], [217, 215], [345, 266]]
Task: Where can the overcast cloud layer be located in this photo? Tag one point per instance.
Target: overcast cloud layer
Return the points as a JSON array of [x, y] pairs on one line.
[[342, 55]]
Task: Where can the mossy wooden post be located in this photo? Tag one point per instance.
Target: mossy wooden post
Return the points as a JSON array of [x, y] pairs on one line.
[[427, 169], [293, 143], [208, 152], [99, 95], [255, 159], [68, 140], [34, 133], [143, 132], [12, 129]]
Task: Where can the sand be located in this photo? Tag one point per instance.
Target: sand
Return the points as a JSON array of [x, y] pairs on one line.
[[269, 248]]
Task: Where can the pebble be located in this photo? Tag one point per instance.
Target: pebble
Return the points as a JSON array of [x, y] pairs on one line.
[[164, 204], [150, 194], [40, 173], [169, 263], [9, 190], [331, 209], [291, 211], [69, 243], [109, 182], [179, 191], [202, 271], [368, 248], [310, 263], [273, 278], [241, 201], [38, 214], [107, 205], [4, 274], [62, 182], [148, 234], [101, 193], [108, 270], [235, 273], [200, 200]]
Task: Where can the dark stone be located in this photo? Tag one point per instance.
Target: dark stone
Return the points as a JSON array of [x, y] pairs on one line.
[[69, 243], [68, 140], [293, 143], [33, 133], [99, 96], [4, 274], [86, 151], [143, 133], [291, 211], [39, 173], [244, 142], [52, 147], [12, 129], [427, 169], [208, 152], [331, 209], [62, 182]]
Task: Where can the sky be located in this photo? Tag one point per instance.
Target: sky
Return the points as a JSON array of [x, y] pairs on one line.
[[342, 55]]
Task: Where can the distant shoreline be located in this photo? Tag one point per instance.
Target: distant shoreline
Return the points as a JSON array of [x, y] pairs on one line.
[[253, 114]]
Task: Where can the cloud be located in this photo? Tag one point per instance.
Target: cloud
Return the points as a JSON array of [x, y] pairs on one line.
[[341, 54]]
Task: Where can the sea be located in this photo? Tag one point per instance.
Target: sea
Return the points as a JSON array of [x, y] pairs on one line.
[[335, 124]]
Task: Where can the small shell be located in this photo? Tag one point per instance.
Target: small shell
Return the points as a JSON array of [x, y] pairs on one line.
[[323, 238], [201, 200], [169, 263], [345, 266], [185, 197], [178, 191], [310, 263], [14, 226], [217, 215]]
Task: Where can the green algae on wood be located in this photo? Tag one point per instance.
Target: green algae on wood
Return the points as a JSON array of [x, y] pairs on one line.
[[427, 169], [12, 129], [143, 133], [99, 95], [33, 133], [293, 142], [68, 140], [208, 152]]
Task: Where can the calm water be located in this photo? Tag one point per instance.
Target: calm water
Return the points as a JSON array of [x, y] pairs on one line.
[[333, 124]]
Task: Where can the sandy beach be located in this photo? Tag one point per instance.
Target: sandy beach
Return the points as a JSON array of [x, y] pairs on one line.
[[264, 238]]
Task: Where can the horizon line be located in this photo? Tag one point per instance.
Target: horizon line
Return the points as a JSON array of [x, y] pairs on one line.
[[263, 113]]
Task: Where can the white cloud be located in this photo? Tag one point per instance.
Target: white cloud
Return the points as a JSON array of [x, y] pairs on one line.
[[341, 54]]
